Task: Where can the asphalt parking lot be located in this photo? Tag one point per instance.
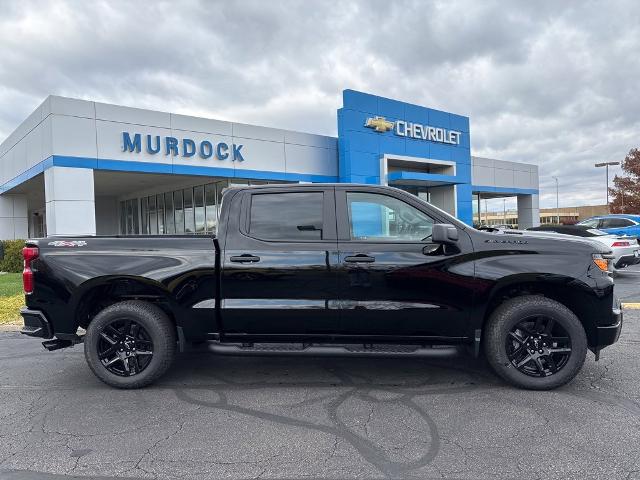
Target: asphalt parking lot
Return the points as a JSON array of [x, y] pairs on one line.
[[229, 417], [628, 284]]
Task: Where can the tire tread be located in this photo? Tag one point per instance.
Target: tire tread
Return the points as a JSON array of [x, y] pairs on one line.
[[497, 328], [165, 334]]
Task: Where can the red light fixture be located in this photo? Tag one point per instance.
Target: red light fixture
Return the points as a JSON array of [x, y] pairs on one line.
[[28, 254], [621, 244]]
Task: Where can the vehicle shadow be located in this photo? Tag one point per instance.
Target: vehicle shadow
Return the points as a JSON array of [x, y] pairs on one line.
[[204, 368], [335, 396]]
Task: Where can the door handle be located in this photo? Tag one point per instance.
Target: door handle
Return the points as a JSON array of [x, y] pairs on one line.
[[360, 258], [245, 258]]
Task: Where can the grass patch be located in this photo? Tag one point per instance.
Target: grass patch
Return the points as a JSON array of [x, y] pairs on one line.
[[11, 298], [10, 284], [10, 308]]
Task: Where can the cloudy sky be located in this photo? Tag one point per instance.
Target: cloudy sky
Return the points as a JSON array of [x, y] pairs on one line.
[[552, 83]]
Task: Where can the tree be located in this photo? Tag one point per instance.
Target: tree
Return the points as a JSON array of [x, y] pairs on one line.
[[625, 194]]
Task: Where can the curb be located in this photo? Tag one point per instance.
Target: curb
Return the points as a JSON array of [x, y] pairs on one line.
[[10, 327], [631, 306]]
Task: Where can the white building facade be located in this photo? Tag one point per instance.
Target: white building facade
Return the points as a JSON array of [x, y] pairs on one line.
[[77, 167]]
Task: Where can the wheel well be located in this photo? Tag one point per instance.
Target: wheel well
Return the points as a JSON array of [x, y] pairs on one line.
[[570, 297], [99, 297]]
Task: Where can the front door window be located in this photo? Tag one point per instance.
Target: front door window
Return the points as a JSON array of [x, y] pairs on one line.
[[380, 218]]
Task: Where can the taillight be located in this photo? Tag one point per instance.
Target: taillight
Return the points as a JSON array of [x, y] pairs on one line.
[[28, 254], [621, 244]]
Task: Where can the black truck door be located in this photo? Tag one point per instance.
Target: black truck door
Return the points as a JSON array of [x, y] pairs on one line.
[[393, 281], [278, 263]]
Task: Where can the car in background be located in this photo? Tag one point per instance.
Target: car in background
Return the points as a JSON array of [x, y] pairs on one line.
[[625, 249], [619, 224]]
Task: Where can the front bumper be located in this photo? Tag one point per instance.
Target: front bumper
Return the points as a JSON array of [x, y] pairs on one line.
[[35, 324], [609, 334]]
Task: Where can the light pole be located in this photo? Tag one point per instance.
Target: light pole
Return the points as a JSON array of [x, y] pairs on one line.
[[557, 202], [606, 164], [504, 211]]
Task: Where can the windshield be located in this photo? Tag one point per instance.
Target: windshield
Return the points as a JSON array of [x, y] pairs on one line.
[[589, 222]]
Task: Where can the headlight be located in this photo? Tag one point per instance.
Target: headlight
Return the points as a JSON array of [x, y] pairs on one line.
[[601, 262]]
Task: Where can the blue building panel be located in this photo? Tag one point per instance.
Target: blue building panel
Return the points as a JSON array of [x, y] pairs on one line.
[[465, 141], [441, 152], [417, 113], [458, 122], [393, 145], [354, 120], [417, 148], [362, 142], [461, 155], [367, 164], [371, 127], [439, 119], [391, 108], [363, 102]]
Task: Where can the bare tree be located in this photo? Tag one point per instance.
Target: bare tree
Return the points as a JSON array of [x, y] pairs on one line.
[[625, 194]]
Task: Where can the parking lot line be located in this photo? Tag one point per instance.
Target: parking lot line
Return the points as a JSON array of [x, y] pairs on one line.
[[631, 306]]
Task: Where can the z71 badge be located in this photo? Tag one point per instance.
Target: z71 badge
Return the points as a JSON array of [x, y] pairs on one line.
[[68, 243]]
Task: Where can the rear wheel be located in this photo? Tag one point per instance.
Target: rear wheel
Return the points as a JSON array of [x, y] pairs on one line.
[[130, 344], [535, 343]]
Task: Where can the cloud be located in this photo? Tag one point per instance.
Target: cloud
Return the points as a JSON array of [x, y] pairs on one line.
[[552, 83]]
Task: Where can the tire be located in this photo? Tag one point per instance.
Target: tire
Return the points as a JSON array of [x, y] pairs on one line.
[[506, 345], [154, 333]]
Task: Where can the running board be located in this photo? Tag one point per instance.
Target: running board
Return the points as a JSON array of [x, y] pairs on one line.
[[332, 350]]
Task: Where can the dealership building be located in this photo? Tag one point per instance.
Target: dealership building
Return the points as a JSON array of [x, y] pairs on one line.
[[77, 167]]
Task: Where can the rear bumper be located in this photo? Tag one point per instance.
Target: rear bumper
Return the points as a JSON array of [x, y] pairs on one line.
[[609, 334], [626, 260], [35, 324]]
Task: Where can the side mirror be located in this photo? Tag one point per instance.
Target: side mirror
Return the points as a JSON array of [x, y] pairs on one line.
[[444, 233]]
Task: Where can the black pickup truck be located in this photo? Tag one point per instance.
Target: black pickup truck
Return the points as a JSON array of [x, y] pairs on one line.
[[325, 269]]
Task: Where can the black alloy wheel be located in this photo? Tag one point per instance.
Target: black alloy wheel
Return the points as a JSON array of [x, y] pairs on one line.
[[535, 342], [125, 348], [538, 346]]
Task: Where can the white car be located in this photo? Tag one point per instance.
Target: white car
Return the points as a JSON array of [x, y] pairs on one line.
[[626, 249]]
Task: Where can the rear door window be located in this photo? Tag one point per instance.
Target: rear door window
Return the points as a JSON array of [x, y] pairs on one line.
[[295, 216], [616, 223]]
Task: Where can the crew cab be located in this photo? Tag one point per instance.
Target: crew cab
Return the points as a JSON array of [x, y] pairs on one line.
[[324, 269]]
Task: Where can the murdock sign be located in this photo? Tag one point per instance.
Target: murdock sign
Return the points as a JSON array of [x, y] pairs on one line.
[[184, 147]]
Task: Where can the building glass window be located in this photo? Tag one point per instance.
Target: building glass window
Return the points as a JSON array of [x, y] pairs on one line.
[[179, 211], [211, 209], [144, 214], [153, 216], [190, 210], [123, 218], [160, 208], [198, 203], [136, 219], [189, 220], [169, 221], [129, 222]]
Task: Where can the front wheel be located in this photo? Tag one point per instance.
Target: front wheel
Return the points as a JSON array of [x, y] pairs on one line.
[[130, 344], [535, 343]]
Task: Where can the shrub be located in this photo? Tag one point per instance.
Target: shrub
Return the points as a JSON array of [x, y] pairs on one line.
[[12, 261]]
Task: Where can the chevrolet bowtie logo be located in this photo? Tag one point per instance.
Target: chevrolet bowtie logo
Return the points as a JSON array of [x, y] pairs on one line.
[[379, 124]]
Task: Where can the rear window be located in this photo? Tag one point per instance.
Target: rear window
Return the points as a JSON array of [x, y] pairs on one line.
[[286, 216]]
